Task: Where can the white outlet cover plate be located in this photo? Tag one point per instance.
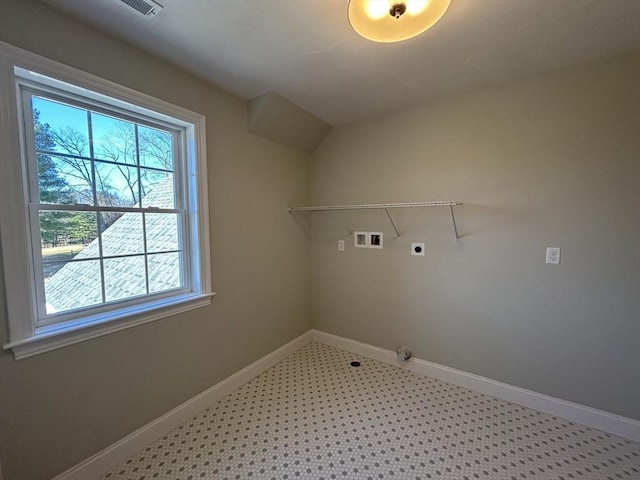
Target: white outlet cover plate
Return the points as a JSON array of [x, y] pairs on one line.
[[417, 249], [341, 245], [553, 255]]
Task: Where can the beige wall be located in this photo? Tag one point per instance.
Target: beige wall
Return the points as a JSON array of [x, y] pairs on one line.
[[61, 407], [553, 161], [550, 161]]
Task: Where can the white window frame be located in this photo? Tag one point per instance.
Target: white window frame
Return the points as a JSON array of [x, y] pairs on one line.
[[26, 336]]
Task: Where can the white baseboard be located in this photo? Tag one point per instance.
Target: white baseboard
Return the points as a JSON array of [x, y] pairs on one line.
[[574, 412], [112, 456]]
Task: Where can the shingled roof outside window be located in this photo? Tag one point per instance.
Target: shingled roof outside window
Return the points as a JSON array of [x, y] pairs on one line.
[[77, 284]]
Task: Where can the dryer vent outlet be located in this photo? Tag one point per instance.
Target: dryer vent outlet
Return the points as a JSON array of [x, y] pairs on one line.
[[404, 353]]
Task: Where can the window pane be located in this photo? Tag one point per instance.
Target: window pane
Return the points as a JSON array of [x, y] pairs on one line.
[[156, 148], [113, 139], [67, 235], [59, 127], [116, 185], [124, 278], [124, 236], [162, 232], [165, 271], [52, 183], [73, 285], [64, 180], [157, 189]]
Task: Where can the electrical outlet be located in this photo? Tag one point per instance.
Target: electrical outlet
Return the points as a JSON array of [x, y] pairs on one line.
[[553, 255], [341, 245], [417, 249]]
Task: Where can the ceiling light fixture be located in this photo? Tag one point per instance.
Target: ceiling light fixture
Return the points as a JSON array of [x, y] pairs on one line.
[[390, 21]]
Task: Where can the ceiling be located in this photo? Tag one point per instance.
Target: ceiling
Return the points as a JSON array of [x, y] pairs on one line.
[[306, 50]]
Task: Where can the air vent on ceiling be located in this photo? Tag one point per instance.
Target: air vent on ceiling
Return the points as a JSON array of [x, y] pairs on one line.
[[148, 8]]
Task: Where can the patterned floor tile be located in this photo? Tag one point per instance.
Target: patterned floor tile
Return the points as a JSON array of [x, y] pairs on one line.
[[314, 416]]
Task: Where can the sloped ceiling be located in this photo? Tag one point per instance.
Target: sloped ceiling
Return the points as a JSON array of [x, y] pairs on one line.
[[306, 50]]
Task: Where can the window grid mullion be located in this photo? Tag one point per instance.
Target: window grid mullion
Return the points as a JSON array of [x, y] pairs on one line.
[[94, 189], [98, 160], [107, 257], [81, 207], [146, 253], [144, 219]]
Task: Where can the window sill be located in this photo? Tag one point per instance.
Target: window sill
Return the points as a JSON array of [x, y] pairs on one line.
[[52, 340]]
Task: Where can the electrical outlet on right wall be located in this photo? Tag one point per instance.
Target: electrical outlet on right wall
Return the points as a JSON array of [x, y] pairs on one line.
[[553, 255], [417, 249]]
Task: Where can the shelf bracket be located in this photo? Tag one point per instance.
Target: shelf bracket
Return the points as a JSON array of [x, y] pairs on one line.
[[392, 224], [455, 227], [349, 231]]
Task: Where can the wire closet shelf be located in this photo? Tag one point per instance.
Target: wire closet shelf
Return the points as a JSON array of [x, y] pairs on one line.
[[385, 207]]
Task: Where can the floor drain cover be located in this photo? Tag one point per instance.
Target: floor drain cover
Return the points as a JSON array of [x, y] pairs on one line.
[[355, 364]]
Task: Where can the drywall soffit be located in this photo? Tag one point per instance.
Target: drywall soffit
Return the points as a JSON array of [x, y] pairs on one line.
[[274, 117]]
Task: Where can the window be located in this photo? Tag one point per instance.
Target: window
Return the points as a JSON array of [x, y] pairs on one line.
[[113, 209]]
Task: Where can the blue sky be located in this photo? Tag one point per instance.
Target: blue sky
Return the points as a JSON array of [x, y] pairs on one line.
[[58, 115], [63, 116]]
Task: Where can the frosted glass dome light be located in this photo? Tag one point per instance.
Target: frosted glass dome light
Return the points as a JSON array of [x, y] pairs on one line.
[[390, 21]]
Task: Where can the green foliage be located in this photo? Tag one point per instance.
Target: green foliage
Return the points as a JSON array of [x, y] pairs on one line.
[[69, 227], [75, 227], [81, 227], [53, 187]]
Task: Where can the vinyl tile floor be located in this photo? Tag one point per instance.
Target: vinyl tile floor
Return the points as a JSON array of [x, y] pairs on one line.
[[314, 416]]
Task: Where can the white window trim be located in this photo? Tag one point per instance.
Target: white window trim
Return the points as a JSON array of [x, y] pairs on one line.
[[24, 340]]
